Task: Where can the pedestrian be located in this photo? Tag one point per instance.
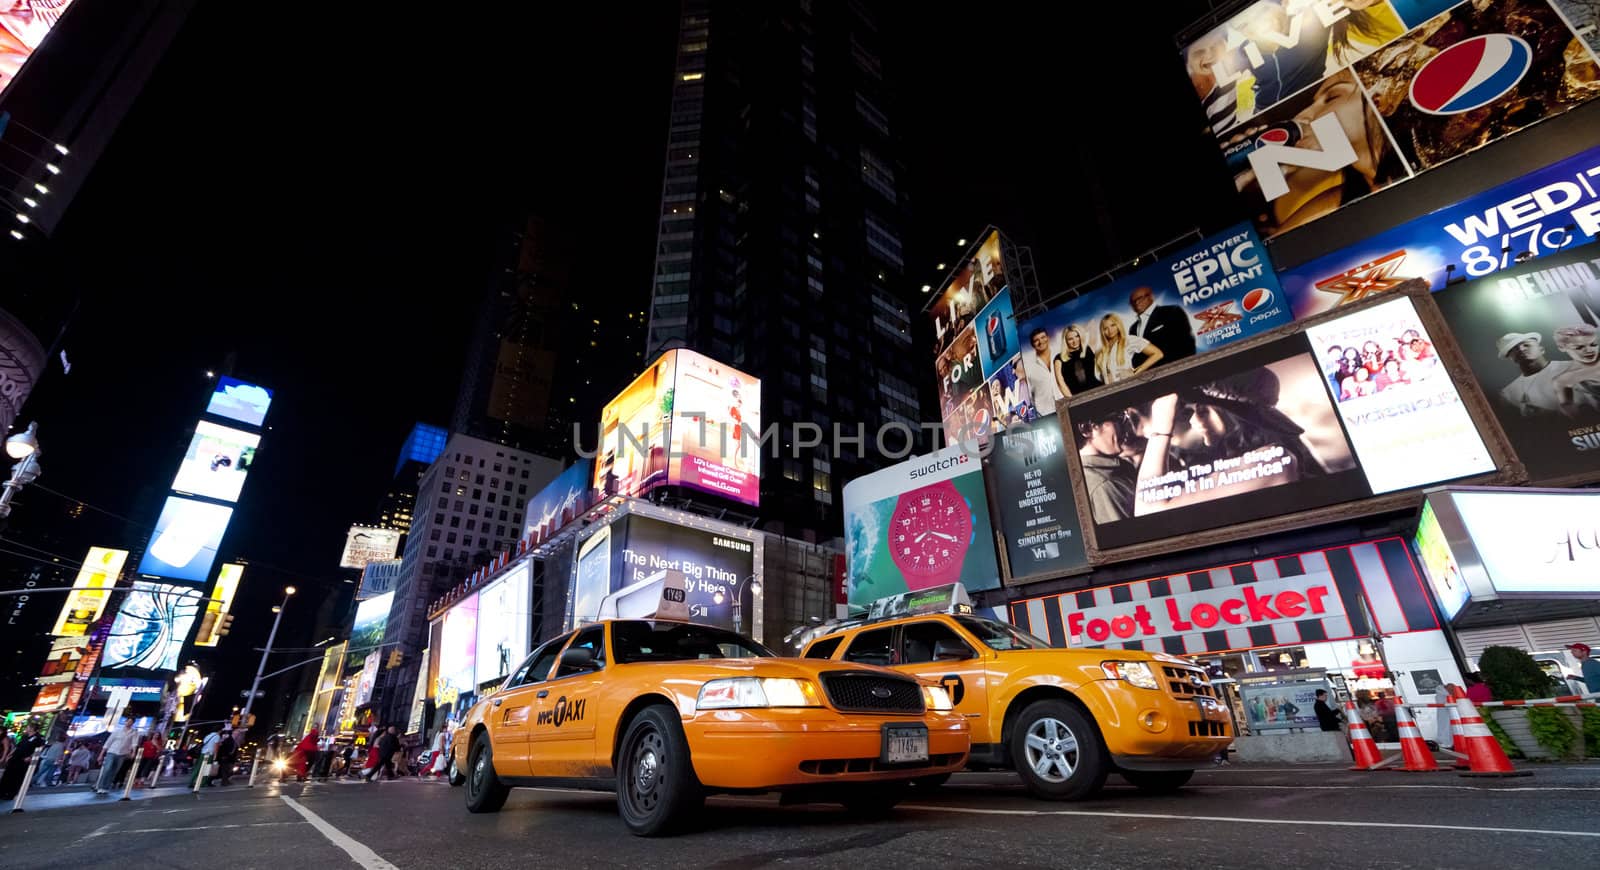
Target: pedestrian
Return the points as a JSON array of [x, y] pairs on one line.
[[17, 763], [1478, 691], [78, 761], [304, 753], [114, 754], [388, 744], [1328, 717], [149, 757], [50, 762], [227, 754], [208, 756], [1588, 666]]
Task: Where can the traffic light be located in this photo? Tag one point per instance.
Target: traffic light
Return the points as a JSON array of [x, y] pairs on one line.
[[395, 657], [233, 721], [224, 625]]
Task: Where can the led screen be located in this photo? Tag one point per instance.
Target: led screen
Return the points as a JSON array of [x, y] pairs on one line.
[[240, 401], [715, 407], [633, 432], [1439, 564], [365, 544], [217, 462], [219, 603], [458, 644], [23, 26], [592, 579], [87, 600], [151, 626], [372, 619], [502, 625], [188, 533]]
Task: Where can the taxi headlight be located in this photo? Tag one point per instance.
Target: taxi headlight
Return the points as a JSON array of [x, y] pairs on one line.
[[736, 692], [1134, 673], [937, 698]]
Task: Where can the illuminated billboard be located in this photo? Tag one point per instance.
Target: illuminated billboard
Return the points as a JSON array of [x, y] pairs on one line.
[[378, 577], [686, 421], [66, 656], [217, 462], [1316, 103], [187, 536], [372, 619], [561, 500], [87, 600], [365, 544], [976, 280], [220, 602], [624, 568], [458, 647], [23, 26], [237, 400], [151, 626], [503, 619]]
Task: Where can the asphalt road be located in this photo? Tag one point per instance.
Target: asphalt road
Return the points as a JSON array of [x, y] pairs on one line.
[[1235, 816]]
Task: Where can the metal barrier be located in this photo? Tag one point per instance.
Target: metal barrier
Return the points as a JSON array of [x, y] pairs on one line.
[[27, 780]]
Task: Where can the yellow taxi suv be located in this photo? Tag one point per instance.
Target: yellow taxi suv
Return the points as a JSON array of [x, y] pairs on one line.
[[1064, 719], [667, 713]]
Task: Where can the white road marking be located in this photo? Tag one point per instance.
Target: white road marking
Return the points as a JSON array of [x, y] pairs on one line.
[[1405, 785], [206, 827], [1324, 823], [358, 852], [98, 832]]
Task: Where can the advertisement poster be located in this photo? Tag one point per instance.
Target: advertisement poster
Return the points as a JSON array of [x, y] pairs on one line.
[[66, 655], [634, 430], [22, 363], [713, 405], [1250, 436], [151, 627], [1317, 103], [1202, 296], [1528, 332], [1534, 543], [591, 580], [1028, 470], [458, 648], [364, 544], [917, 524], [369, 675], [974, 282], [188, 533], [561, 500], [1439, 563], [1583, 16], [997, 334], [1399, 406], [220, 602], [1280, 706], [1538, 214], [366, 633], [647, 554], [237, 400], [217, 462], [87, 600], [960, 378], [503, 619], [378, 577], [25, 25]]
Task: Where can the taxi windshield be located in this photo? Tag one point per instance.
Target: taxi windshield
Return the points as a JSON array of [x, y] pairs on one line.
[[642, 641], [998, 635]]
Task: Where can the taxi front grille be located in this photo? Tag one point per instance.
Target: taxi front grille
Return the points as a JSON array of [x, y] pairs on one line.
[[841, 766], [1188, 683], [859, 692], [1208, 729]]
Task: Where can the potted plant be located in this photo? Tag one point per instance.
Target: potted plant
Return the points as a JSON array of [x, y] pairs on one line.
[[1538, 732]]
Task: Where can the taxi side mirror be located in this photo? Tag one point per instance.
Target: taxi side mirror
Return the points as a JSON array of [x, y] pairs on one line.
[[950, 650], [577, 659]]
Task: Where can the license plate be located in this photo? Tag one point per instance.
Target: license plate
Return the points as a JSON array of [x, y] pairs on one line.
[[904, 743]]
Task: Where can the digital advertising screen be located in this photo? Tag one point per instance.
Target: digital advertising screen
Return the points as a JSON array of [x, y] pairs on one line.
[[976, 280], [1251, 435], [87, 600], [1529, 334], [997, 334], [458, 647], [960, 380], [369, 676], [1199, 297], [1534, 543], [562, 499], [378, 577], [151, 626], [1399, 405], [1315, 104], [23, 26], [634, 432], [713, 407], [364, 544], [188, 534], [1439, 563], [1033, 489], [237, 400], [220, 602], [66, 656], [372, 620], [503, 619], [591, 576], [917, 524], [217, 462], [715, 570]]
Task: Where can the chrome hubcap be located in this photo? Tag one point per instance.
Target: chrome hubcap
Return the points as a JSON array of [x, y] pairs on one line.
[[1051, 750], [649, 758]]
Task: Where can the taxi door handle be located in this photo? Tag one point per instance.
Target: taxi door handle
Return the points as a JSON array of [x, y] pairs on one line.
[[542, 693]]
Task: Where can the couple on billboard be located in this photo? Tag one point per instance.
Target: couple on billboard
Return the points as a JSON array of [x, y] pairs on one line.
[[1155, 334]]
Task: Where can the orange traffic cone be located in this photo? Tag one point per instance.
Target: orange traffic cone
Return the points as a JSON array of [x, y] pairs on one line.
[[1412, 747], [1483, 751], [1362, 746]]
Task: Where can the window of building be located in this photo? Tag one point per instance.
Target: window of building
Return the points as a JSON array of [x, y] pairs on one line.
[[497, 466], [455, 522], [471, 525], [461, 490], [500, 530], [519, 504], [466, 540], [438, 518], [502, 516], [477, 494], [472, 509], [872, 114], [494, 483], [458, 506], [524, 474], [433, 551], [433, 535], [450, 471], [450, 538], [443, 502], [448, 554], [521, 490]]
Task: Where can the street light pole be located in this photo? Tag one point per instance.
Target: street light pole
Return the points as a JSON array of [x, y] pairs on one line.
[[244, 717], [24, 447]]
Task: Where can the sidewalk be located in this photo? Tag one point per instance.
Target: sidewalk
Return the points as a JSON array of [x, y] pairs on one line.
[[82, 794]]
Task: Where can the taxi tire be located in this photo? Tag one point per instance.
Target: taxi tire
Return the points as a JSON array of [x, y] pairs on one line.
[[453, 774], [485, 792], [675, 790], [1092, 768], [1157, 781]]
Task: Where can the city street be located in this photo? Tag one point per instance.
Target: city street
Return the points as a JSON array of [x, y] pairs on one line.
[[1234, 816]]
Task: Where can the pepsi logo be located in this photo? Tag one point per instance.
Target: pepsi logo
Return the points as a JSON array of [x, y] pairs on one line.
[[1274, 136], [1471, 74], [1260, 297]]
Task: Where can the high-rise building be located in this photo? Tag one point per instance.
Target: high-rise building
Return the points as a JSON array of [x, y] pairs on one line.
[[469, 507], [422, 447], [779, 249]]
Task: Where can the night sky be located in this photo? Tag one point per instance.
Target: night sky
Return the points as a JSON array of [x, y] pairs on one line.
[[324, 203]]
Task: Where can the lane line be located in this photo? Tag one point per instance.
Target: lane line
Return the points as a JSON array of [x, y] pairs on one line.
[[208, 827], [358, 852], [1324, 823], [98, 832]]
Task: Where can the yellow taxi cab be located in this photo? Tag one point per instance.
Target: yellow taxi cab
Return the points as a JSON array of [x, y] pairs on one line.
[[1063, 718], [668, 712]]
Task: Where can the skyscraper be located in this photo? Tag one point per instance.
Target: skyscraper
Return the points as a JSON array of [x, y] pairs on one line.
[[422, 447], [779, 249]]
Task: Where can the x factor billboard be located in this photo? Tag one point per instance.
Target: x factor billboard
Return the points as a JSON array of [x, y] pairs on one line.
[[1317, 103]]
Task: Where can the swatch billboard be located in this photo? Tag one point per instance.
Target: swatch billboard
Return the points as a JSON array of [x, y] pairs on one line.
[[1317, 103]]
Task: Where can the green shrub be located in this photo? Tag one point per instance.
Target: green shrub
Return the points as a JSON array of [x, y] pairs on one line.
[[1502, 738], [1591, 731], [1513, 675], [1553, 730]]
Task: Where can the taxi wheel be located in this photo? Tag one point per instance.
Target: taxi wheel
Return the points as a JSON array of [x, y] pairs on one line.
[[455, 777], [1158, 781], [485, 792], [1058, 752], [656, 787]]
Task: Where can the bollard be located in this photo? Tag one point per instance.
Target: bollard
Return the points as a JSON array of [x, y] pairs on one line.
[[255, 764], [33, 765], [133, 776], [205, 763]]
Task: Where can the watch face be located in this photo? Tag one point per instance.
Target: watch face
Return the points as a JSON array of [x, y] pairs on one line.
[[930, 530]]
